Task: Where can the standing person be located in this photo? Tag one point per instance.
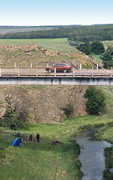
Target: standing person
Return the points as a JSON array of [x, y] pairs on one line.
[[38, 137]]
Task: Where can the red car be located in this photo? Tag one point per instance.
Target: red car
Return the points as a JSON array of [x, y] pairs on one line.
[[59, 68]]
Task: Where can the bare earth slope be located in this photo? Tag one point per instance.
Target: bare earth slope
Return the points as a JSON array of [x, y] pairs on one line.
[[42, 104], [24, 55]]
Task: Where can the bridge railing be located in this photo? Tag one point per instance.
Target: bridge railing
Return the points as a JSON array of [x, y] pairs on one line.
[[39, 72]]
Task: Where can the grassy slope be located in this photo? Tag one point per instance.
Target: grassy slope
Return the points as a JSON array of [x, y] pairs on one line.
[[55, 44], [45, 161], [57, 51], [14, 51]]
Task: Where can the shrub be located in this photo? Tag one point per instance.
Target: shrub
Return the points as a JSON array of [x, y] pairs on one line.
[[69, 110], [85, 48], [95, 100], [97, 47], [13, 120]]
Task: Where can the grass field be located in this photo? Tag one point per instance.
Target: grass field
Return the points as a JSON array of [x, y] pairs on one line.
[[97, 57], [45, 161], [14, 29], [60, 44], [107, 43], [55, 44]]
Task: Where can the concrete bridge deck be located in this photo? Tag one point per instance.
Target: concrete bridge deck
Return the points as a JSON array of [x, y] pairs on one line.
[[41, 77]]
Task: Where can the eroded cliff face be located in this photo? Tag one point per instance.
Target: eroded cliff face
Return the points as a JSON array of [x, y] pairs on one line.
[[42, 103]]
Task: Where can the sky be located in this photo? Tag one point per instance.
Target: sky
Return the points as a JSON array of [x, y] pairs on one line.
[[55, 12]]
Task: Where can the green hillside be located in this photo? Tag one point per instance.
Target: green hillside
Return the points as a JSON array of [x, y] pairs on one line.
[[56, 156]]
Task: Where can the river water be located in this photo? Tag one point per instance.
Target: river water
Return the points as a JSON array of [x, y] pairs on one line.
[[92, 156]]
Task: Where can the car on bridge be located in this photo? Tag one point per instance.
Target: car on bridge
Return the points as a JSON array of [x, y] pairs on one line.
[[59, 68]]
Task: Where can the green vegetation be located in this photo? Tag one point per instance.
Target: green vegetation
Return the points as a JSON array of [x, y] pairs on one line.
[[95, 47], [45, 160], [85, 48], [107, 57], [14, 29], [97, 57], [55, 44], [95, 100], [74, 33], [13, 120], [69, 110], [56, 156]]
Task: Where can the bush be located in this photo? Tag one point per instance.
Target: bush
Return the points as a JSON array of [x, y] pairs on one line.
[[13, 120], [85, 48], [97, 47], [107, 57], [95, 100], [69, 110]]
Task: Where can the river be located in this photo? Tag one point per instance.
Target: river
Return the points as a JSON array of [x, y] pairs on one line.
[[92, 156]]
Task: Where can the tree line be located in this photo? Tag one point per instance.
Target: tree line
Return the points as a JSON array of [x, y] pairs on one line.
[[73, 33]]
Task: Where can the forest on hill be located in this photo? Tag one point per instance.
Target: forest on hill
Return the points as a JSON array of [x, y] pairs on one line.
[[72, 32]]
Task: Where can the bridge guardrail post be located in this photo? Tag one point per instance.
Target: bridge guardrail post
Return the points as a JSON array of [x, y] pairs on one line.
[[0, 71], [55, 72], [14, 64], [31, 65], [18, 71], [97, 66], [36, 72], [80, 66], [73, 71], [92, 72]]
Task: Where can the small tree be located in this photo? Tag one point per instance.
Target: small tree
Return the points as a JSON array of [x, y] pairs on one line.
[[95, 100], [107, 57], [85, 48], [13, 120], [97, 47]]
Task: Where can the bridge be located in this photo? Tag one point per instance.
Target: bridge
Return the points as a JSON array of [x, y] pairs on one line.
[[41, 77]]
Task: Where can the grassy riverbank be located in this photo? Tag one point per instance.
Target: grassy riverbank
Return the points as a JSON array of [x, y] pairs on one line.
[[45, 160]]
